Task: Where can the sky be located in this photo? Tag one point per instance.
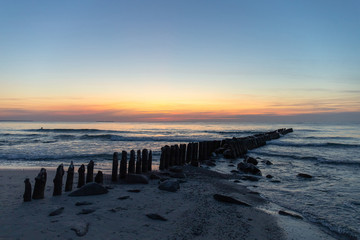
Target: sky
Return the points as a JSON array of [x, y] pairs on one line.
[[185, 60]]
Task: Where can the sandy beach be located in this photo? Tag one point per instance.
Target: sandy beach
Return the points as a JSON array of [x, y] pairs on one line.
[[190, 213]]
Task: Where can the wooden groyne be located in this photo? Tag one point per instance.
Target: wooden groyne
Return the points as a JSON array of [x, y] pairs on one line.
[[193, 153]]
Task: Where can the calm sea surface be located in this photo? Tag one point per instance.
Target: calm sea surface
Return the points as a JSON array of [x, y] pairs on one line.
[[330, 153]]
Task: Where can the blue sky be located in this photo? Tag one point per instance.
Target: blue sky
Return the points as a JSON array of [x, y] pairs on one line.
[[290, 57]]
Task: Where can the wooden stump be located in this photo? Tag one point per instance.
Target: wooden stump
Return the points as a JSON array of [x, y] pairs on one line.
[[90, 172], [58, 180], [40, 182], [81, 173], [123, 164], [69, 178], [172, 156], [144, 160], [162, 159], [27, 193], [132, 162], [189, 153], [167, 157], [177, 155], [183, 154], [99, 178], [194, 160], [150, 161], [201, 151], [115, 164], [138, 162]]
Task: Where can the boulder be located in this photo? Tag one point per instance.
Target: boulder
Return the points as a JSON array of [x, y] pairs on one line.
[[228, 154], [249, 178], [176, 169], [267, 162], [269, 176], [251, 160], [304, 175], [136, 178], [249, 168], [178, 175], [89, 189], [170, 186]]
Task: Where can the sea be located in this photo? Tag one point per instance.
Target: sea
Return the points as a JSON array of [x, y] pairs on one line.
[[328, 152]]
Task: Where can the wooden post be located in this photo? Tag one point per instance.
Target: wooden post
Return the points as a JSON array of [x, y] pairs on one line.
[[69, 178], [195, 151], [167, 156], [150, 161], [189, 153], [162, 159], [99, 178], [182, 154], [123, 164], [114, 167], [27, 193], [144, 161], [132, 162], [58, 180], [201, 151], [40, 182], [177, 155], [81, 173], [90, 172], [138, 162], [172, 156]]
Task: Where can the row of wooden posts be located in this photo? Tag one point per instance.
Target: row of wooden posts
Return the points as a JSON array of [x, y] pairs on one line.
[[191, 153], [196, 152], [143, 164]]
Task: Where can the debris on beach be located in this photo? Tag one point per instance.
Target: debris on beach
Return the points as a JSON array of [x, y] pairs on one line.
[[56, 212], [228, 199], [155, 216]]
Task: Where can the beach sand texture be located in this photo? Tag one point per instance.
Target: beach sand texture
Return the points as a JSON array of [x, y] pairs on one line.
[[190, 213]]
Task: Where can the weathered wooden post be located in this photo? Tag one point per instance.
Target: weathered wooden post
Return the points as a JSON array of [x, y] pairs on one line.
[[132, 162], [27, 193], [123, 164], [115, 164], [167, 157], [138, 162], [81, 173], [40, 182], [69, 178], [99, 178], [183, 154], [195, 151], [194, 160], [162, 159], [58, 180], [90, 172], [144, 161], [201, 151], [177, 155], [150, 161], [189, 153], [172, 156]]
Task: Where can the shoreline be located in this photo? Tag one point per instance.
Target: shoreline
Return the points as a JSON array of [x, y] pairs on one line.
[[192, 211]]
